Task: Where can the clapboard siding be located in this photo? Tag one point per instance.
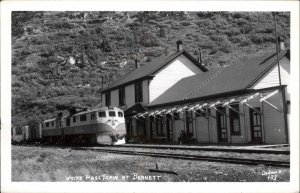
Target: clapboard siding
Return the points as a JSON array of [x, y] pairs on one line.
[[272, 79], [274, 131], [201, 130], [114, 95], [180, 68], [213, 126], [145, 92]]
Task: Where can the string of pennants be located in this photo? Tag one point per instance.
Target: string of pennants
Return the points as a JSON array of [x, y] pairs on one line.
[[203, 106]]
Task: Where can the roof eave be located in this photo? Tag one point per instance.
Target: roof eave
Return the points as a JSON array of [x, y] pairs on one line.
[[127, 83], [214, 96]]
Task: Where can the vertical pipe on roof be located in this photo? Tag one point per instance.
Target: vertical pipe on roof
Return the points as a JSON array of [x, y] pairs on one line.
[[179, 46], [277, 46]]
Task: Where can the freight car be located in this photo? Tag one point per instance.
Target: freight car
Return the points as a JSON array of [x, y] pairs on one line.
[[105, 125]]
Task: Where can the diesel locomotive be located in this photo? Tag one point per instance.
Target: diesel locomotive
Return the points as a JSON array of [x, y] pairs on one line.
[[105, 125]]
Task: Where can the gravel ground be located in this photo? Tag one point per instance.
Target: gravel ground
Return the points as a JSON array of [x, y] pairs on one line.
[[64, 164]]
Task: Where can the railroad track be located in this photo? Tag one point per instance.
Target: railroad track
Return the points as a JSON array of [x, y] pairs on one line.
[[192, 157]]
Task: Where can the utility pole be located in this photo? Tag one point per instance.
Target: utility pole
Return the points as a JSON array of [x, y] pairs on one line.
[[277, 46]]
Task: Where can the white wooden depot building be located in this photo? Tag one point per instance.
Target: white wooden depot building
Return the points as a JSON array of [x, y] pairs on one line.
[[241, 103]]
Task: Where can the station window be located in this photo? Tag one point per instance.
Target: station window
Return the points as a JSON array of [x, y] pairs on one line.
[[47, 124], [138, 91], [101, 114], [122, 96], [120, 114], [74, 119], [68, 121], [234, 119], [107, 99], [82, 117], [93, 116], [159, 126], [52, 123], [112, 113]]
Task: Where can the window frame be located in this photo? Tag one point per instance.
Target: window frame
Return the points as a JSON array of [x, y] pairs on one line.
[[107, 99], [81, 120], [122, 96], [102, 112], [138, 92], [112, 112], [122, 114], [74, 119], [234, 115]]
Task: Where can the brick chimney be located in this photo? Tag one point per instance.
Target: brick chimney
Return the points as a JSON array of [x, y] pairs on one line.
[[179, 46]]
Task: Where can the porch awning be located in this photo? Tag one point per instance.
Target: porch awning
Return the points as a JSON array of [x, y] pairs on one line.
[[261, 96]]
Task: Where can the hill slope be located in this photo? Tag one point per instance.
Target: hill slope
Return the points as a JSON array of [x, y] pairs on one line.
[[59, 58]]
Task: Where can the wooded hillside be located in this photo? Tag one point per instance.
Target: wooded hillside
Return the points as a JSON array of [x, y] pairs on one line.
[[59, 58]]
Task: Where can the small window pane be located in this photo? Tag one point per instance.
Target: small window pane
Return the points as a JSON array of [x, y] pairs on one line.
[[47, 124], [83, 118], [93, 116], [52, 123], [74, 119], [112, 113], [120, 114], [102, 114]]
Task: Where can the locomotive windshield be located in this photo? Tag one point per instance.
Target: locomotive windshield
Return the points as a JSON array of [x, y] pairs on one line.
[[112, 113], [102, 114]]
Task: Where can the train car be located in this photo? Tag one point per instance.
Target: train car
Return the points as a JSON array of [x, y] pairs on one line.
[[105, 125], [50, 132], [27, 133], [18, 134]]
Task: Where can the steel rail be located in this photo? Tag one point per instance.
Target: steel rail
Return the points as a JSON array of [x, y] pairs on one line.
[[235, 150], [284, 164]]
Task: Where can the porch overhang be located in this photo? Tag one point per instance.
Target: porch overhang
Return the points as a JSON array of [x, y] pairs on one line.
[[244, 98]]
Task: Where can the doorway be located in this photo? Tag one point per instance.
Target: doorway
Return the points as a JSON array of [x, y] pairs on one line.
[[222, 124], [255, 125]]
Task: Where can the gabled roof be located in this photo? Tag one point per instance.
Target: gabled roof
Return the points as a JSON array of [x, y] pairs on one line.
[[148, 70], [223, 80]]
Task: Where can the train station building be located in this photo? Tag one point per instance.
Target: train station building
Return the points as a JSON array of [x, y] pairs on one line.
[[178, 100]]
